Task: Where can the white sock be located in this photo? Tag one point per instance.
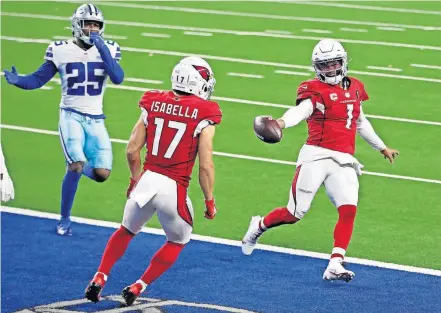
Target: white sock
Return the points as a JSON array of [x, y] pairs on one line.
[[105, 276], [339, 251], [143, 284], [262, 225]]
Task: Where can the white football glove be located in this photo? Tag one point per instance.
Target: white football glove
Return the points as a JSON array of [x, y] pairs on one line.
[[7, 187]]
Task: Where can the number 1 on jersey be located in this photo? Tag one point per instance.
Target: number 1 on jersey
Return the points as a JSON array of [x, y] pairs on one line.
[[350, 108], [181, 127]]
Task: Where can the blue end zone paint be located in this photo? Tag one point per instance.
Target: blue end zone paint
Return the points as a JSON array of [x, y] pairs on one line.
[[39, 268]]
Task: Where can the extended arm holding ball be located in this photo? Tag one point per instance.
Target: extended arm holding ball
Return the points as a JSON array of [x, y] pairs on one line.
[[269, 130], [296, 114]]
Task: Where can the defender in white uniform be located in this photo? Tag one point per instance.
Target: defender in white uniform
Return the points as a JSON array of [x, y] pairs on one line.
[[84, 64]]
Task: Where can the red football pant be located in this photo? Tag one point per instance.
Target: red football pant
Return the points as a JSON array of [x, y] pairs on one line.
[[116, 246], [277, 217], [343, 228], [162, 261]]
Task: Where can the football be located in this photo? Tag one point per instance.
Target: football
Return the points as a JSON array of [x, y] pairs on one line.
[[267, 129]]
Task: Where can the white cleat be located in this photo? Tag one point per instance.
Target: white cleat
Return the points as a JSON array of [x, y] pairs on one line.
[[250, 239], [336, 271]]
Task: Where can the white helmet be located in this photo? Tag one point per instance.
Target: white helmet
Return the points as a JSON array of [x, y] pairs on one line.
[[330, 61], [86, 12], [193, 75]]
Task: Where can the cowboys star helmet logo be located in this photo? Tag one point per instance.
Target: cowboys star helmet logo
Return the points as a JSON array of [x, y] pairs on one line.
[[115, 304]]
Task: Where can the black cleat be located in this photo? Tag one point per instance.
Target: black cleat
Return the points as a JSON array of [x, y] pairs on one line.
[[93, 290], [131, 293]]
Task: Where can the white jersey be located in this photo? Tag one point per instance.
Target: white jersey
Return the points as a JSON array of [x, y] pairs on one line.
[[83, 78]]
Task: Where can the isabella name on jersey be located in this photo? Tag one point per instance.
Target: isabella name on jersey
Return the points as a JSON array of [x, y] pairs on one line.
[[174, 109]]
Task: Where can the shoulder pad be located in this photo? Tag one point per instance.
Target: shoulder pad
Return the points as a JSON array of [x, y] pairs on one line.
[[60, 43], [212, 112], [311, 85], [114, 48]]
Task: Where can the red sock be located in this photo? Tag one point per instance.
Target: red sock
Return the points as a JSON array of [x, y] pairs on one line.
[[276, 217], [161, 261], [116, 246], [343, 230]]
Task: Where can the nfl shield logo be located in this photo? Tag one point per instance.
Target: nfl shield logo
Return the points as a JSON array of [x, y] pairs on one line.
[[348, 95]]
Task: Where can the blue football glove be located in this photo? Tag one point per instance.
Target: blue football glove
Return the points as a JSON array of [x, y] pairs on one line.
[[11, 77], [97, 40]]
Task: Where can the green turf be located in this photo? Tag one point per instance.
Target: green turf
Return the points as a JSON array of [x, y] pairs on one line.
[[398, 220], [287, 9]]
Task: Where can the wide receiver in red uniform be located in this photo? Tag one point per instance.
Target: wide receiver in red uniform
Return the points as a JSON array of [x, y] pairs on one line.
[[331, 105], [175, 126]]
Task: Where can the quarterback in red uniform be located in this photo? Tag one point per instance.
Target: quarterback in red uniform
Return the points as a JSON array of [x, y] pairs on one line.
[[331, 104], [175, 126]]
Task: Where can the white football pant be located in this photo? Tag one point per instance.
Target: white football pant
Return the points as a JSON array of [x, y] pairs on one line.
[[340, 181], [158, 193]]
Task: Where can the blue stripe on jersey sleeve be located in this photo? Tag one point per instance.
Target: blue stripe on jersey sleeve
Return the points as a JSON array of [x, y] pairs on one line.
[[49, 53], [118, 53]]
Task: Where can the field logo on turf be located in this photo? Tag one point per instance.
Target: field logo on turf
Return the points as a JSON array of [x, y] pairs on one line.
[[114, 304]]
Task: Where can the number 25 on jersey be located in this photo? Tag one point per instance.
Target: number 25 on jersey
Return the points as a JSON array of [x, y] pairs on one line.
[[85, 78]]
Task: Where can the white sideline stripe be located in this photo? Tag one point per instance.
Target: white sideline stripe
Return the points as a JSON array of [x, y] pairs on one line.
[[257, 62], [435, 67], [115, 37], [399, 119], [105, 37], [42, 87], [258, 103], [129, 79], [394, 29], [155, 35], [238, 60], [230, 155], [407, 77], [367, 7], [245, 75], [355, 30], [292, 73], [26, 40], [241, 33], [229, 242], [146, 81], [318, 31], [258, 15], [61, 37], [274, 105], [202, 34], [282, 32], [392, 69]]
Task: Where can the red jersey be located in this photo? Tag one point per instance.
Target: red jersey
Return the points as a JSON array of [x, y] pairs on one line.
[[173, 125], [332, 124]]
